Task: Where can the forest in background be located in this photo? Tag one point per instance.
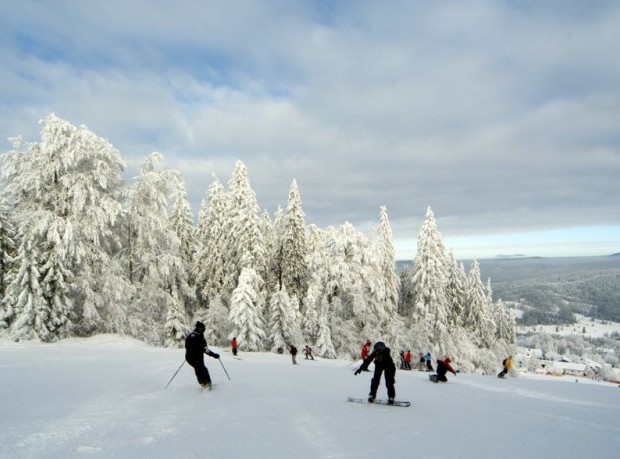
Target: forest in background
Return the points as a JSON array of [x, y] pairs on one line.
[[82, 252]]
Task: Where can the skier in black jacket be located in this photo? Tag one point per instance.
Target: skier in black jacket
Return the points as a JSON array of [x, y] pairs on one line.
[[383, 362], [195, 349]]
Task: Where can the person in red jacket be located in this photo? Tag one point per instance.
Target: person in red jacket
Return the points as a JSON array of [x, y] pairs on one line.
[[233, 345], [443, 366], [366, 349], [408, 360]]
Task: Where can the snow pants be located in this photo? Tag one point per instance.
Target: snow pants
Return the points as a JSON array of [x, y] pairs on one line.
[[389, 381], [202, 374]]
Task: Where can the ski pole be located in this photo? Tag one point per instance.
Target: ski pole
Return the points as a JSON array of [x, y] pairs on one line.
[[175, 374], [224, 368]]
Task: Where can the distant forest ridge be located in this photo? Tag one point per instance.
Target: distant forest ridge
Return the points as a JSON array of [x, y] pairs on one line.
[[552, 290]]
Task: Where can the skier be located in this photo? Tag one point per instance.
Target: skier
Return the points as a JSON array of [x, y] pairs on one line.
[[507, 367], [293, 350], [443, 366], [427, 359], [195, 348], [383, 362], [308, 352], [233, 344]]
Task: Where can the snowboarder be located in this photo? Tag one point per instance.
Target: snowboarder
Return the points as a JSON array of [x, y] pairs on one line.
[[233, 345], [443, 366], [293, 350], [366, 350], [308, 352], [383, 363], [195, 349], [401, 354], [422, 362], [507, 367], [427, 359]]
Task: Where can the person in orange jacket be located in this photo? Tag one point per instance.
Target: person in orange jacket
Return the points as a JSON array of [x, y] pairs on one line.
[[233, 345]]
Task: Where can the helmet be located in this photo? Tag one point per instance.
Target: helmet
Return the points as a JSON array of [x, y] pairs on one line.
[[200, 326], [379, 347]]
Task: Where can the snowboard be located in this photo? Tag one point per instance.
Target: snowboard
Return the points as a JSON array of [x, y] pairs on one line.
[[379, 401], [435, 379]]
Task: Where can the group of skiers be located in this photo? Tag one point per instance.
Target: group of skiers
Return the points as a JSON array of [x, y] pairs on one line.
[[196, 347]]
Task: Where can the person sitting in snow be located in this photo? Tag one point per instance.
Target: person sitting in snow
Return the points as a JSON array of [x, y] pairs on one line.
[[195, 349], [383, 363], [507, 367], [443, 366]]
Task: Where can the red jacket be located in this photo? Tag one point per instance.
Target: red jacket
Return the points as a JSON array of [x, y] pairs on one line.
[[408, 357], [233, 343], [365, 350], [443, 366]]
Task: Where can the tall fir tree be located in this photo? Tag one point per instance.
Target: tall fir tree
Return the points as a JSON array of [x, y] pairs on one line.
[[294, 246], [387, 261], [245, 314]]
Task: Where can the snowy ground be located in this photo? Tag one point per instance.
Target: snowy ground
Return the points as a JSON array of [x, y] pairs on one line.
[[594, 328], [105, 397]]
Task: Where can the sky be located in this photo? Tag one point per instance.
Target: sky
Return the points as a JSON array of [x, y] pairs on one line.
[[502, 116], [105, 396]]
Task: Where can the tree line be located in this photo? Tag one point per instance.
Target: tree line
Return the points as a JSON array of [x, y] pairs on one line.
[[83, 252]]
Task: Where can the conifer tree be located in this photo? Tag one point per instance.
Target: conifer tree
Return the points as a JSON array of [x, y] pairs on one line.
[[245, 312], [281, 319], [476, 317], [387, 261], [7, 261], [210, 259], [429, 278], [244, 246], [455, 291], [294, 246]]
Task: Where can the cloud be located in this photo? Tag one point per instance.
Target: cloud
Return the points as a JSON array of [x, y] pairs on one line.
[[502, 116]]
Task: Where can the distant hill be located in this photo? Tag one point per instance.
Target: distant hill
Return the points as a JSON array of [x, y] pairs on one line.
[[553, 289]]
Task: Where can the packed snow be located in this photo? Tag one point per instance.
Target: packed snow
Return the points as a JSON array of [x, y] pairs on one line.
[[105, 396]]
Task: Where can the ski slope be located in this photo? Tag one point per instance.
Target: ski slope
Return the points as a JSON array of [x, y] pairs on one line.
[[104, 397]]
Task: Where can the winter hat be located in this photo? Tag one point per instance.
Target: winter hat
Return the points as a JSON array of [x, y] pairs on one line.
[[200, 326], [379, 346]]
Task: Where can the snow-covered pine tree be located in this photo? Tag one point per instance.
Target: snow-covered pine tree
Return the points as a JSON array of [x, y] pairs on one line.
[[181, 223], [210, 257], [281, 319], [387, 263], [310, 316], [294, 246], [324, 343], [244, 246], [27, 312], [245, 315], [429, 278], [455, 290], [156, 268], [477, 317], [73, 175], [7, 255]]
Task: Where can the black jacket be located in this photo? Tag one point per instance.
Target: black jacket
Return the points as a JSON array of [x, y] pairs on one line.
[[383, 360], [195, 347]]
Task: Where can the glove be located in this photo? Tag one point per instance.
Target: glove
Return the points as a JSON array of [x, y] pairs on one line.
[[215, 355], [358, 371]]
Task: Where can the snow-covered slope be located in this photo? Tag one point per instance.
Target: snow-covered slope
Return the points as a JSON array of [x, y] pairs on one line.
[[105, 397]]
